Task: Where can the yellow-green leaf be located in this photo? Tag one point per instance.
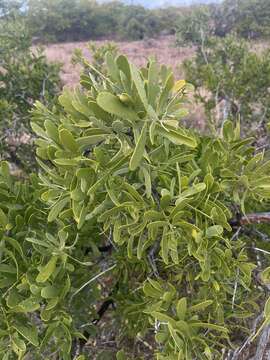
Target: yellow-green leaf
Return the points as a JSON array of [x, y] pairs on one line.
[[139, 150], [57, 208], [29, 333], [47, 270], [68, 141]]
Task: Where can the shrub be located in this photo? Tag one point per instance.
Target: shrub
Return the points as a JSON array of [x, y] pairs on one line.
[[136, 200], [25, 76], [226, 70], [247, 18], [194, 26]]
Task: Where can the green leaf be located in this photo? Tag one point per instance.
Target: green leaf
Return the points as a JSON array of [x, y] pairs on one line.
[[57, 208], [166, 91], [178, 341], [152, 291], [111, 66], [147, 182], [139, 85], [163, 317], [51, 130], [13, 298], [267, 308], [181, 308], [153, 86], [165, 245], [3, 219], [265, 275], [5, 172], [177, 136], [49, 292], [86, 141], [66, 162], [139, 149], [112, 104], [47, 270], [39, 131], [29, 333], [19, 343], [67, 139], [178, 85], [121, 355], [28, 305], [123, 65], [5, 268], [210, 327], [216, 230], [201, 306]]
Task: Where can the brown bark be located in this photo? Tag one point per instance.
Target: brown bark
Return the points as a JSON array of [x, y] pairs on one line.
[[254, 218]]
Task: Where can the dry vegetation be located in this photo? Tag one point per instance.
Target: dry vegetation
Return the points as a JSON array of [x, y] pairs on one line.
[[137, 51]]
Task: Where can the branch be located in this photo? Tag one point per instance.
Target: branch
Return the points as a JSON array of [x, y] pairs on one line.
[[249, 219]]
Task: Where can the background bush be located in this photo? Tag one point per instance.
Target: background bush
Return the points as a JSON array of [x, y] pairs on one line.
[[232, 81], [25, 76]]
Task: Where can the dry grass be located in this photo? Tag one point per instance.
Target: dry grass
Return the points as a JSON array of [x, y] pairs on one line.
[[137, 51]]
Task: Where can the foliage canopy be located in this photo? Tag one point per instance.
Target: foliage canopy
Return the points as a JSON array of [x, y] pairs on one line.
[[118, 171]]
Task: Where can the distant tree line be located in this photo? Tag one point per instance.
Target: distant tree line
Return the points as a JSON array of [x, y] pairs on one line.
[[74, 20]]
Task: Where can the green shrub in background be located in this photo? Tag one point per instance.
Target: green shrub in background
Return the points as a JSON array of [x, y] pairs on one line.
[[247, 18], [194, 26], [25, 76], [232, 79], [134, 210]]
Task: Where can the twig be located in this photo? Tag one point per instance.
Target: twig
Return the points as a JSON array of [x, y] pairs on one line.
[[202, 47], [259, 263], [104, 307], [151, 258], [263, 251], [235, 288], [92, 280], [235, 235], [263, 344], [247, 342], [255, 218]]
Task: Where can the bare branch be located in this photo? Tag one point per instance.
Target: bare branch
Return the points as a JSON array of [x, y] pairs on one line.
[[255, 218]]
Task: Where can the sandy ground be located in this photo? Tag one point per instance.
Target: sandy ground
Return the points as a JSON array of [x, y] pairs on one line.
[[138, 51]]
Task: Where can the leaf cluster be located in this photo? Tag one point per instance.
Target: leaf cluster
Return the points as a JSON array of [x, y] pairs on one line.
[[118, 170]]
